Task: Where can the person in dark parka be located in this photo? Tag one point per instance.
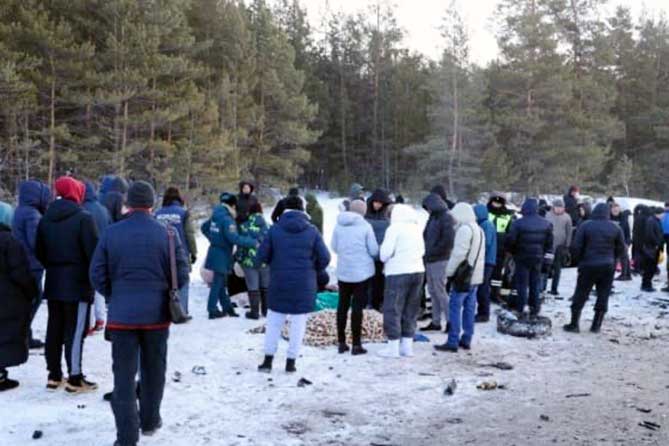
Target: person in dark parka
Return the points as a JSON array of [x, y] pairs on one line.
[[597, 245], [246, 190], [530, 240], [281, 204], [296, 255], [377, 216], [33, 200], [112, 196], [66, 239], [135, 278], [441, 191], [571, 204], [641, 215], [438, 235], [621, 218], [653, 240], [18, 290]]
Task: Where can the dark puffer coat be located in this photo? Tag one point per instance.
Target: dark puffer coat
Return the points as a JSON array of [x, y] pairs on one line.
[[17, 290], [598, 241], [531, 237], [33, 201], [378, 219], [439, 232]]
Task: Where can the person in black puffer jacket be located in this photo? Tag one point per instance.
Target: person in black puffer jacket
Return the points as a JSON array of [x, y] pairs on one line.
[[439, 235], [530, 240], [377, 216], [641, 214], [597, 245], [244, 199], [653, 240], [66, 240], [18, 290], [621, 218], [441, 191]]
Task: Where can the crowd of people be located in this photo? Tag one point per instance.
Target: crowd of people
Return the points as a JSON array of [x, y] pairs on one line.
[[104, 261]]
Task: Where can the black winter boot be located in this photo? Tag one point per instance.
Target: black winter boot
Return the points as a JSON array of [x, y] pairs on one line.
[[573, 326], [266, 366], [597, 322], [254, 303], [6, 383], [290, 366], [263, 302]]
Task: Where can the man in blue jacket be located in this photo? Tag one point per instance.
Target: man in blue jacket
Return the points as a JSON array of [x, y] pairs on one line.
[[598, 244], [33, 201], [483, 293], [221, 231], [530, 240], [131, 268], [102, 219]]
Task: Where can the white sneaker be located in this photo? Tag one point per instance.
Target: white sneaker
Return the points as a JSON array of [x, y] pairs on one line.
[[391, 350], [406, 347]]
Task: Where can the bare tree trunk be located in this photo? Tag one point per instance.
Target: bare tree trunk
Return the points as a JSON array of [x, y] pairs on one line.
[[124, 141], [377, 61], [26, 135], [342, 119], [52, 131], [456, 130]]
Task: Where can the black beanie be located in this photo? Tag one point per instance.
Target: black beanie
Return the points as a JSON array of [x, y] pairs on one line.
[[294, 203], [141, 195]]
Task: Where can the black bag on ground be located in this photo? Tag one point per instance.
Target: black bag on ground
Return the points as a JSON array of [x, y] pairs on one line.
[[177, 313]]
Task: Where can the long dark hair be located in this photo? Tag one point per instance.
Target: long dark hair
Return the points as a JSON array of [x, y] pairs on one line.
[[254, 206], [172, 194]]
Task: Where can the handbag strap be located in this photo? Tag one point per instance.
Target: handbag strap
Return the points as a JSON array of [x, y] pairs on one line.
[[173, 258], [478, 254]]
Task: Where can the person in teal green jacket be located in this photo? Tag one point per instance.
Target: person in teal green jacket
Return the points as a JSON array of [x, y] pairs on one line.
[[256, 273], [221, 231]]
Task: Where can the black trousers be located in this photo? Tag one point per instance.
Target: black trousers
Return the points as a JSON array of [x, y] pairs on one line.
[[600, 277], [145, 350], [648, 270], [558, 262], [377, 286], [66, 327], [351, 295]]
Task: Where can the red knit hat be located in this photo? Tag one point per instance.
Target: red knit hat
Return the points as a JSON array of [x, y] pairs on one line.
[[70, 189]]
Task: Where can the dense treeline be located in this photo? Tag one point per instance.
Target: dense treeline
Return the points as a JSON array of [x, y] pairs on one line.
[[202, 92]]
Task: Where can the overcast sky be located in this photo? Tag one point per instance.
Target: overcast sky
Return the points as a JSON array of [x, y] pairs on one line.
[[420, 19]]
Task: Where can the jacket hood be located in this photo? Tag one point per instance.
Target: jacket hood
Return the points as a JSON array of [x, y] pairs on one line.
[[61, 209], [6, 214], [356, 190], [530, 207], [119, 185], [311, 198], [441, 191], [463, 213], [481, 212], [106, 184], [91, 195], [601, 212], [294, 221], [34, 194], [403, 213], [348, 218], [225, 209], [380, 195], [433, 203], [245, 183]]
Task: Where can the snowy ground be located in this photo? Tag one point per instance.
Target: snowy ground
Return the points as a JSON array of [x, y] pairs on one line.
[[374, 401]]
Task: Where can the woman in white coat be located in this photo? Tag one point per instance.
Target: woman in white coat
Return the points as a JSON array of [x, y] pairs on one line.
[[469, 247], [402, 253]]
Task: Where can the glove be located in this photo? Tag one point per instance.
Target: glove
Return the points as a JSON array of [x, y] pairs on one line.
[[193, 259]]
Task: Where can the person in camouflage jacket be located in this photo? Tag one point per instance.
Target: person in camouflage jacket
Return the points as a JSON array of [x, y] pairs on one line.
[[256, 274]]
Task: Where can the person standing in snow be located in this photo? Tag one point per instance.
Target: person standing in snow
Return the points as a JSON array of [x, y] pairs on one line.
[[66, 239], [112, 196], [18, 290], [221, 231], [483, 291], [174, 212], [653, 238], [441, 191], [355, 244], [641, 215], [438, 236], [597, 245], [246, 190], [281, 204], [135, 278], [501, 218], [377, 216], [571, 201], [315, 211], [562, 233], [297, 256], [33, 201], [357, 192], [256, 274], [530, 240], [102, 220], [402, 253], [470, 248], [621, 218]]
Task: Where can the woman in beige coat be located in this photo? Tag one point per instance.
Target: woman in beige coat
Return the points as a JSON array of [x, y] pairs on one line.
[[470, 248]]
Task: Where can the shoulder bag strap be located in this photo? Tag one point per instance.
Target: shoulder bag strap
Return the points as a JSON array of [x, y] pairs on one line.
[[173, 258]]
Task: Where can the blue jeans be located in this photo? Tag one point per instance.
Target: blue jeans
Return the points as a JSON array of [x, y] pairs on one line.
[[184, 292], [461, 313], [219, 293], [528, 285], [146, 351]]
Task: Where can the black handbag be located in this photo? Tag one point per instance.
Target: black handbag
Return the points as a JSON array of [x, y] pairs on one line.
[[462, 279], [177, 313]]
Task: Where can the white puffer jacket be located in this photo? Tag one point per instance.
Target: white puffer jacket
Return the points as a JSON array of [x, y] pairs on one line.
[[403, 247], [468, 238]]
